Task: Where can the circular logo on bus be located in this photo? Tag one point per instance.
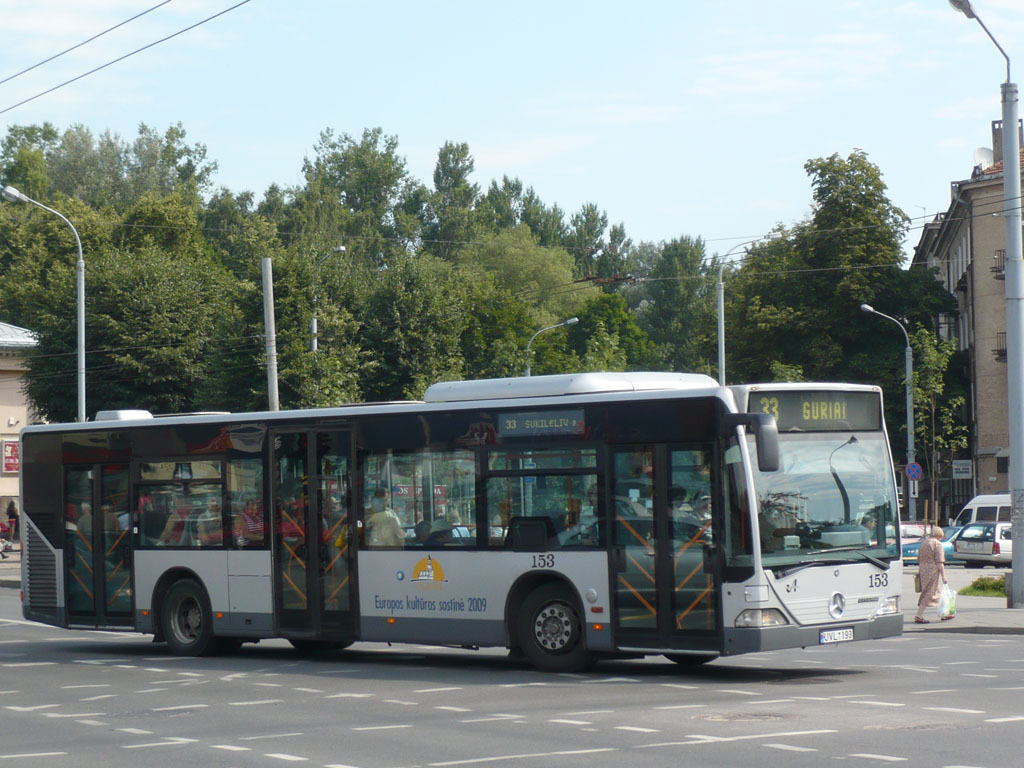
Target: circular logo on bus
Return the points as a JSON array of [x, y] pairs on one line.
[[836, 605]]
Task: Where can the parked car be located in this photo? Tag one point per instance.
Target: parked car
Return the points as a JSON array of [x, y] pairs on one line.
[[910, 548], [981, 544]]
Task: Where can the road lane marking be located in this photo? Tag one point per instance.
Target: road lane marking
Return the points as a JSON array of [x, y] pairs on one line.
[[698, 738], [31, 754], [270, 736], [180, 706], [563, 721], [172, 741], [636, 729], [15, 708], [94, 685], [791, 748], [231, 747], [29, 663], [349, 696], [379, 727], [100, 696], [454, 709], [308, 690], [739, 692], [283, 756], [135, 731], [498, 758], [880, 703], [956, 709], [256, 702], [883, 758], [1015, 719], [439, 690]]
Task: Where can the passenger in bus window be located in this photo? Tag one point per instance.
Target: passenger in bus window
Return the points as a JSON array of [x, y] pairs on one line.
[[85, 519], [422, 531], [210, 526], [440, 532], [249, 525]]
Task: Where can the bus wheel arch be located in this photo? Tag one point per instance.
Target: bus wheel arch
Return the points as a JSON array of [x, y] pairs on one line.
[[546, 624], [183, 615]]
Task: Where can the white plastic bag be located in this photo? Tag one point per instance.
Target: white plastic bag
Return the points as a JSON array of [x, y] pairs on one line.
[[947, 602]]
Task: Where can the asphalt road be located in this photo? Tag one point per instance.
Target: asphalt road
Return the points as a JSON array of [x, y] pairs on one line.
[[106, 699]]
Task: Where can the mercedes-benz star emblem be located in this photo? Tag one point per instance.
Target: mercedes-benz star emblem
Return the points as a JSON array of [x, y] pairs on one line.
[[836, 605]]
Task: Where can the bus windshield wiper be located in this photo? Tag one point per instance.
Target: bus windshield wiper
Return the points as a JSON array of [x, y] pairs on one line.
[[882, 565]]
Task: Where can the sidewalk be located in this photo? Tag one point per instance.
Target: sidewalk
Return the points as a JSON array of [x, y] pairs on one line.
[[981, 615], [10, 569]]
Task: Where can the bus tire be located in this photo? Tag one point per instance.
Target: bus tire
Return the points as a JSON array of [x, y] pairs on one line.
[[551, 631], [690, 660], [187, 620]]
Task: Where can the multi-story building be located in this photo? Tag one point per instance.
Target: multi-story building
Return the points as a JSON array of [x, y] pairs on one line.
[[967, 246], [14, 407]]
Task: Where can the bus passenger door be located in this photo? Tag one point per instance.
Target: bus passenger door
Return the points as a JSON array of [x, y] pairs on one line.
[[97, 550], [665, 586], [312, 552]]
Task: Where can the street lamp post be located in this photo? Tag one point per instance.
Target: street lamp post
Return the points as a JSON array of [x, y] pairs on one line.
[[1014, 273], [570, 321], [14, 196], [721, 300], [909, 372]]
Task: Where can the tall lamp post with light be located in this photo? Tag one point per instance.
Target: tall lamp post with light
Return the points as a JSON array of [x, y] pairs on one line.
[[721, 300], [1014, 274], [909, 372], [14, 196], [570, 321]]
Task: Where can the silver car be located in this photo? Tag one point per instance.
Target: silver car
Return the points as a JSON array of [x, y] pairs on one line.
[[981, 544]]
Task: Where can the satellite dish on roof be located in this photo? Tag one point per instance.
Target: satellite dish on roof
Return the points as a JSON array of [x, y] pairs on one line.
[[983, 157]]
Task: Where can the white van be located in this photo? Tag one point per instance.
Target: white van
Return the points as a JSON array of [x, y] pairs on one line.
[[988, 508]]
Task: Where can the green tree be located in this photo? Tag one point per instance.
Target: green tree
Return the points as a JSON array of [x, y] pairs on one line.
[[678, 315], [451, 221], [938, 406]]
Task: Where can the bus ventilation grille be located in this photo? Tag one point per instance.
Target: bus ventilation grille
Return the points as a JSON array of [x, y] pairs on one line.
[[41, 563]]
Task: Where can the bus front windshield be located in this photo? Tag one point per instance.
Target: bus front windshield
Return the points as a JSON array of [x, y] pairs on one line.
[[832, 494]]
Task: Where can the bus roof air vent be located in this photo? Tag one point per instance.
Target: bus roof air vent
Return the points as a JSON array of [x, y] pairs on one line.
[[125, 414], [563, 384]]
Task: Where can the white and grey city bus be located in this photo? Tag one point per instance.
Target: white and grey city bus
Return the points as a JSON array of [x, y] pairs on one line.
[[564, 517]]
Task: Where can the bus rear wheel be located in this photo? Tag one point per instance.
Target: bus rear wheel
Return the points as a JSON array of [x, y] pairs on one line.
[[551, 631], [187, 620]]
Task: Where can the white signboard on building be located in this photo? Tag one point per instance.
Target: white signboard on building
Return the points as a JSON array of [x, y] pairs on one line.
[[963, 469]]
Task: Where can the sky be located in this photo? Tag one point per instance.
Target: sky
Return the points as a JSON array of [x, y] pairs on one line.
[[677, 118]]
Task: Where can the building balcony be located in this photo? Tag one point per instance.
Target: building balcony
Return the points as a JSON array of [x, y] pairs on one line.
[[999, 267], [1000, 350]]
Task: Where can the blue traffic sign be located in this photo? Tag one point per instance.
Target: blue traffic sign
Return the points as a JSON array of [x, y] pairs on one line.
[[914, 471]]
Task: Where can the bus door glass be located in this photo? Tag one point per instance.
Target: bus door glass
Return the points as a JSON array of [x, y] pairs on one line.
[[311, 540], [661, 511], [97, 549]]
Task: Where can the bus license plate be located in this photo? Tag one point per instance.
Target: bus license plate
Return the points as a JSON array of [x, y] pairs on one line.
[[835, 635]]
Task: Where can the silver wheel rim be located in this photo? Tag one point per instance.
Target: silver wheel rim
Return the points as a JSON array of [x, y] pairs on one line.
[[553, 627], [188, 620]]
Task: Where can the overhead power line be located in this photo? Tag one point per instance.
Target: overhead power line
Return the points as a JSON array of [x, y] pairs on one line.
[[122, 58], [84, 42]]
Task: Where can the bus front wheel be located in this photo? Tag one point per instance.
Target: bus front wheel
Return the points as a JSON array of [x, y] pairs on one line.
[[187, 620], [551, 631]]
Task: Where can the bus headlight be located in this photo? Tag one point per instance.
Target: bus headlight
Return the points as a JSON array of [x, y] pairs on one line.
[[761, 617], [889, 605]]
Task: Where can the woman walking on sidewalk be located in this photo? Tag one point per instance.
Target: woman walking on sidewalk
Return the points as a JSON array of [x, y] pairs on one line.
[[931, 564]]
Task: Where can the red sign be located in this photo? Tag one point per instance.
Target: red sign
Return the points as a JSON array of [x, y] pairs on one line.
[[12, 460]]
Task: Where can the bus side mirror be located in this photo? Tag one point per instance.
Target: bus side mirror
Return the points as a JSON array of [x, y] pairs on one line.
[[766, 436]]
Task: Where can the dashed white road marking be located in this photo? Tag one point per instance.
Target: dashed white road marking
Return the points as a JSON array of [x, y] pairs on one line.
[[681, 686], [135, 731], [29, 663], [31, 754], [563, 721], [700, 738], [180, 706], [307, 690], [936, 690], [956, 709], [791, 748], [349, 696], [1015, 719], [93, 685], [231, 747], [172, 741], [37, 707], [507, 758], [636, 729], [283, 756], [454, 709], [270, 736], [882, 758], [403, 703], [880, 703], [100, 696], [681, 706], [379, 727], [255, 702], [77, 714], [439, 690], [91, 722], [771, 701]]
